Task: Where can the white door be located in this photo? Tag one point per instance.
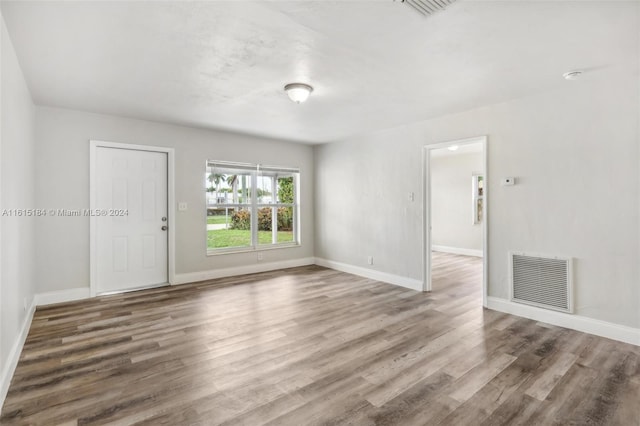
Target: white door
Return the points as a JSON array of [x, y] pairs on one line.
[[131, 219]]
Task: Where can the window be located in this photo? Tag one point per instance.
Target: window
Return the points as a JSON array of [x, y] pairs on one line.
[[477, 188], [250, 206]]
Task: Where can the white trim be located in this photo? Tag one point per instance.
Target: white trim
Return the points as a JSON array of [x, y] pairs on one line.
[[14, 354], [398, 280], [426, 219], [457, 250], [191, 277], [426, 209], [4, 382], [62, 296], [236, 250], [609, 330], [171, 207], [5, 377]]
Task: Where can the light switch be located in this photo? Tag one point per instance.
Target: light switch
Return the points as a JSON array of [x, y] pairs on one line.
[[508, 181], [182, 206]]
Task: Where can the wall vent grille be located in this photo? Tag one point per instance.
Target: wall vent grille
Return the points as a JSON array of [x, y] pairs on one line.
[[540, 281], [428, 7]]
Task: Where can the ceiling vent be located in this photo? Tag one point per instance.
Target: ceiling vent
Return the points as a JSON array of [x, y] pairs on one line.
[[544, 282], [428, 7]]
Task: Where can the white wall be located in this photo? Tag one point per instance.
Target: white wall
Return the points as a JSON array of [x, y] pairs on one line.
[[17, 171], [451, 201], [63, 182], [574, 151]]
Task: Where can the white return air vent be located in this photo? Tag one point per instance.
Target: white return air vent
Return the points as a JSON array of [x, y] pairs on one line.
[[540, 281], [428, 7]]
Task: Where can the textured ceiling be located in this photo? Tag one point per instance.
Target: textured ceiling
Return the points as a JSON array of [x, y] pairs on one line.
[[374, 64]]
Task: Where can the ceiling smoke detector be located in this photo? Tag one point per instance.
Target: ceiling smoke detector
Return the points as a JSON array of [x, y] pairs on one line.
[[428, 7], [572, 75]]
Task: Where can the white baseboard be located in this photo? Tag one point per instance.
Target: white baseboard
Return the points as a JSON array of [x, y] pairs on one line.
[[62, 296], [456, 250], [14, 355], [576, 322], [192, 277], [372, 274]]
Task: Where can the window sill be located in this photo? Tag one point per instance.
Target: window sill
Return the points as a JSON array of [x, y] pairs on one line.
[[238, 250]]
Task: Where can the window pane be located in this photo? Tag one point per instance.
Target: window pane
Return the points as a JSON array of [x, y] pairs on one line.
[[227, 186], [283, 232], [265, 189], [285, 189], [219, 216], [231, 228], [265, 225], [285, 225]]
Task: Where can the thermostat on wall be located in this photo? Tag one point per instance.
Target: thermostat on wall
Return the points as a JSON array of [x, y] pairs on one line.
[[508, 181]]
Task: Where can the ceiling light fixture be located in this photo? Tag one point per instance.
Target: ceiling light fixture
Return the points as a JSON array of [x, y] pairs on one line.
[[572, 75], [453, 148], [298, 92]]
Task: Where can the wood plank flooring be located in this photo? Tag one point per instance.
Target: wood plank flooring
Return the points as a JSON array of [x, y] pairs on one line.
[[311, 346]]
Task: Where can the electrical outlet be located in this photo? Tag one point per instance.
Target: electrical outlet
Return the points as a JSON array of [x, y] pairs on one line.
[[182, 206], [260, 257], [370, 260]]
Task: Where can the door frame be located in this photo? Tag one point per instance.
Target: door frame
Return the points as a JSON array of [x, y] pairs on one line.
[[426, 208], [93, 150]]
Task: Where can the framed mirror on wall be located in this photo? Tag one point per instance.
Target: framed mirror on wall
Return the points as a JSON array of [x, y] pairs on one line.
[[477, 188]]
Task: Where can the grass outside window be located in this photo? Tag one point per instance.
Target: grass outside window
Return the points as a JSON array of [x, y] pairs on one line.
[[222, 238], [218, 220]]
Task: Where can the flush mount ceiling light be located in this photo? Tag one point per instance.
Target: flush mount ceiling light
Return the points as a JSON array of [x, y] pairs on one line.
[[453, 148], [572, 75], [298, 92]]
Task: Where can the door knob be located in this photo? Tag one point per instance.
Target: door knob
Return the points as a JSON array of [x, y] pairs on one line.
[[164, 228]]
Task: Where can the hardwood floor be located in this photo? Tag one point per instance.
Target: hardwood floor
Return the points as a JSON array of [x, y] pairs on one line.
[[311, 345]]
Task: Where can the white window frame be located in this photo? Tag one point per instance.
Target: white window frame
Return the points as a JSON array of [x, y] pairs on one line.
[[254, 170]]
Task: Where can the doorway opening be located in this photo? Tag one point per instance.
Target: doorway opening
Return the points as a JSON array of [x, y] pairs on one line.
[[456, 216]]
